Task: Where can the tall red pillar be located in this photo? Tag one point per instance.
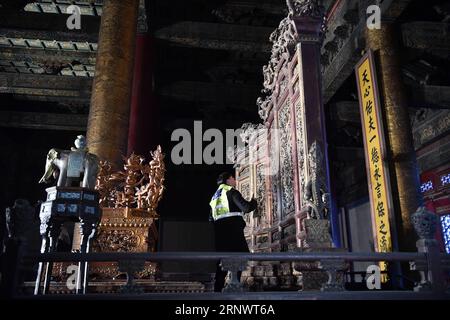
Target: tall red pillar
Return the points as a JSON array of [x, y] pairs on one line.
[[144, 126]]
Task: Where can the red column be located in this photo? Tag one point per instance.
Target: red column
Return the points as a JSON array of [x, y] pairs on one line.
[[144, 131], [309, 29]]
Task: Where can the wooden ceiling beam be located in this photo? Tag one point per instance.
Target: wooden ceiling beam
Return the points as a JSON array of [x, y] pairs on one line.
[[45, 85], [426, 35], [43, 121], [216, 36], [32, 55]]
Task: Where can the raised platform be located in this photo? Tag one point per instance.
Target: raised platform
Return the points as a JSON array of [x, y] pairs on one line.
[[252, 296], [114, 286]]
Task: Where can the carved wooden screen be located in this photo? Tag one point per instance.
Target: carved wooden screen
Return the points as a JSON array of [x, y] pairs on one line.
[[244, 175], [292, 111], [283, 122], [251, 175]]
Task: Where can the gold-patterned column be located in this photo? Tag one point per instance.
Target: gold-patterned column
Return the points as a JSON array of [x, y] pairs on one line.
[[402, 157], [107, 131]]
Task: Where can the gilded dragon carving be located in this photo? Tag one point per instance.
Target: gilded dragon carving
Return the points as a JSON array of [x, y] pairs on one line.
[[139, 185], [284, 39]]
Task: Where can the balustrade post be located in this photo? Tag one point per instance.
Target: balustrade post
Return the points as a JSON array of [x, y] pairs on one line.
[[425, 223], [131, 268], [334, 270], [234, 266]]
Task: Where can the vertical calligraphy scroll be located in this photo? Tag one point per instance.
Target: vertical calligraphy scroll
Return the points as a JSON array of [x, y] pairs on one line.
[[375, 154]]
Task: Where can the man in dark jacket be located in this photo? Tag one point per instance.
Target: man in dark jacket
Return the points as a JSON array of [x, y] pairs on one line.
[[227, 210]]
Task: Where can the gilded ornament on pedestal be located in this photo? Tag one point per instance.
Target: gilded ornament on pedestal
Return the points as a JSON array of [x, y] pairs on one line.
[[129, 199]]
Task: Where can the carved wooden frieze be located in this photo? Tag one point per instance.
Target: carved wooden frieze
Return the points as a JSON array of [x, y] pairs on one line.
[[260, 185], [117, 240], [435, 124], [274, 178], [245, 189], [284, 40], [244, 172], [286, 165], [301, 154], [263, 107]]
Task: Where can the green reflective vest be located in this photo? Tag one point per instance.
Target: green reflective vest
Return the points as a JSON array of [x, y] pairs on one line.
[[219, 202]]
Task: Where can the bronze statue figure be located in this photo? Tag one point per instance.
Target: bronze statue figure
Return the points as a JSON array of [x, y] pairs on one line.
[[72, 166]]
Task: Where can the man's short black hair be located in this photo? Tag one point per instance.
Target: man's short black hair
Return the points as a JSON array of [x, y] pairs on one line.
[[223, 177]]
